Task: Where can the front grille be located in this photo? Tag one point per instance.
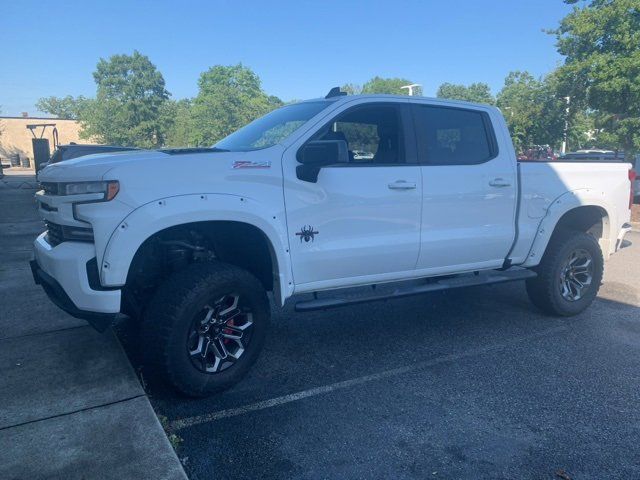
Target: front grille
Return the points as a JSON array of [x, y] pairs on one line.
[[50, 188], [56, 234]]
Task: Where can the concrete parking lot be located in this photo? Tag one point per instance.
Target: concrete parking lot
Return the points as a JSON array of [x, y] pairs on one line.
[[470, 384]]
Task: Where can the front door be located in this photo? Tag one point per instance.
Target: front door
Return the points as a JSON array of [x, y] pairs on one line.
[[360, 221]]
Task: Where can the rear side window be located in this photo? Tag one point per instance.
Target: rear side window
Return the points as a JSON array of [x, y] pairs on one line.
[[453, 136]]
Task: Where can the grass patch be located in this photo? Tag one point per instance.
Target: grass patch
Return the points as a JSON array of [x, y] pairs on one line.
[[174, 439]]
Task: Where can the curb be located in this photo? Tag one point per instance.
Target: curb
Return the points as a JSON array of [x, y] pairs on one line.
[[19, 185], [182, 475]]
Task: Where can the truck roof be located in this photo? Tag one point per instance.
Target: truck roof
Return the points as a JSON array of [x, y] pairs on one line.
[[382, 96]]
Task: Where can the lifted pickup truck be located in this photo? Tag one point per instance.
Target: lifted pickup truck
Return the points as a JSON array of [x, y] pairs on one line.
[[190, 248]]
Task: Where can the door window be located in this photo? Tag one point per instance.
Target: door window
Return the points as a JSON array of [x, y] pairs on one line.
[[373, 134], [453, 136]]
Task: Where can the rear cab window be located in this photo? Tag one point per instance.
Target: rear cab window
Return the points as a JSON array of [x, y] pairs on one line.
[[453, 136]]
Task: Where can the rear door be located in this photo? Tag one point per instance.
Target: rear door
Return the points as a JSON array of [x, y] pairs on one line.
[[359, 221], [469, 189]]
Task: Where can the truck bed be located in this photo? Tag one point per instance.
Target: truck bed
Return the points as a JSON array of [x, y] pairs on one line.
[[548, 186]]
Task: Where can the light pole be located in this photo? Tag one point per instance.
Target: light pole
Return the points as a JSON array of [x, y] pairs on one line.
[[411, 87], [566, 126]]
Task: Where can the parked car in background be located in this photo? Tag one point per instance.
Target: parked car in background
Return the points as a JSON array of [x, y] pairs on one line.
[[75, 150], [593, 156], [281, 205], [362, 155], [594, 150]]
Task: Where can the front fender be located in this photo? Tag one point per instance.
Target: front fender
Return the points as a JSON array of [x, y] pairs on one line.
[[563, 204], [167, 212]]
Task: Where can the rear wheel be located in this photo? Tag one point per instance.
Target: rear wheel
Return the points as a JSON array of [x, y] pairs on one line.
[[569, 275], [205, 327]]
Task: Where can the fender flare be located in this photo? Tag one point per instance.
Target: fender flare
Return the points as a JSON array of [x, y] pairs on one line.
[[565, 203], [163, 213]]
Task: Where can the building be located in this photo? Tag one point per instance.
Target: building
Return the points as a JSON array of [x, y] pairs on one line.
[[15, 137]]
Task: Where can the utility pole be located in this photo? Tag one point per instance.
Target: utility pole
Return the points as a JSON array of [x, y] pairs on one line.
[[411, 87], [566, 126]]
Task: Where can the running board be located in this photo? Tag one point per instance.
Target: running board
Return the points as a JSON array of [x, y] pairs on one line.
[[487, 277]]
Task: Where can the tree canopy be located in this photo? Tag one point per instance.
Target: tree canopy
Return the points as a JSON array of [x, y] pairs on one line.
[[180, 130], [534, 113], [229, 97], [129, 105], [601, 45], [67, 108], [390, 86], [476, 92]]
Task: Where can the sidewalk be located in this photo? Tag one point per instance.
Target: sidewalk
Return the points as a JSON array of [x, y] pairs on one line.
[[71, 406]]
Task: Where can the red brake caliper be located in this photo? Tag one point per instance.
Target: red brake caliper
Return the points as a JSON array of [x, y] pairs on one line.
[[228, 331]]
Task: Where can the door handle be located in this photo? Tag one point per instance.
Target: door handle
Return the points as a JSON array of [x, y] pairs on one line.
[[402, 185], [499, 182]]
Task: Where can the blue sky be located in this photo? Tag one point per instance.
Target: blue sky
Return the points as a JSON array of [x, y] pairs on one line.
[[298, 48]]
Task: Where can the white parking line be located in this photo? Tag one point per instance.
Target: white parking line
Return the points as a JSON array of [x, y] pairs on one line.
[[293, 397]]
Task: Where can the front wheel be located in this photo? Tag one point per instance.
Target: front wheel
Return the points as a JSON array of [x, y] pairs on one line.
[[205, 327], [569, 275]]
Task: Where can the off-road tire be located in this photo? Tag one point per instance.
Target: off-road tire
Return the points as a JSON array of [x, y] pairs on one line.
[[545, 289], [167, 324]]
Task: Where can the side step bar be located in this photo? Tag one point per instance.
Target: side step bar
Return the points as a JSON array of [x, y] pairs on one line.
[[465, 280]]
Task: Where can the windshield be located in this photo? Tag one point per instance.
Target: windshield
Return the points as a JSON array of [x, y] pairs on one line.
[[272, 128]]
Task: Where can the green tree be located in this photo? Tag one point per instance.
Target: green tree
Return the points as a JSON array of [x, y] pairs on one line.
[[583, 132], [476, 92], [229, 97], [534, 112], [67, 108], [601, 45], [130, 103], [179, 117], [387, 85], [351, 89]]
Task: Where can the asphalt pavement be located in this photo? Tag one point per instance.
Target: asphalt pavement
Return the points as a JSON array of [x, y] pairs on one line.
[[465, 384]]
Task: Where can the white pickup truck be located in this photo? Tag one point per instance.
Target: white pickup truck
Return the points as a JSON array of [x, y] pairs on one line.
[[189, 241]]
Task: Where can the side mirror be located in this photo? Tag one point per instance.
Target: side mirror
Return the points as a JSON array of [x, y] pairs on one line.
[[317, 154]]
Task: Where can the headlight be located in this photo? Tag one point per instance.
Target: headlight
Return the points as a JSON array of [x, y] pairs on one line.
[[109, 188]]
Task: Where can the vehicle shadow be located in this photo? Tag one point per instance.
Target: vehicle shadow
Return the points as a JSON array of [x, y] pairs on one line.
[[307, 350]]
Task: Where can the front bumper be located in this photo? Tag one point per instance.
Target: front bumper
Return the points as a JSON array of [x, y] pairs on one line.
[[63, 273]]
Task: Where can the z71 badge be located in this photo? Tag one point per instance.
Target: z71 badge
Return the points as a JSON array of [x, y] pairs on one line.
[[250, 164], [307, 233]]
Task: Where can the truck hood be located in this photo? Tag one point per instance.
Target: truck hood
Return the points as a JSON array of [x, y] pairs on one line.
[[93, 167], [148, 175]]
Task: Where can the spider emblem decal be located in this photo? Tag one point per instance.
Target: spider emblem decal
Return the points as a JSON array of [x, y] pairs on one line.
[[307, 233]]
